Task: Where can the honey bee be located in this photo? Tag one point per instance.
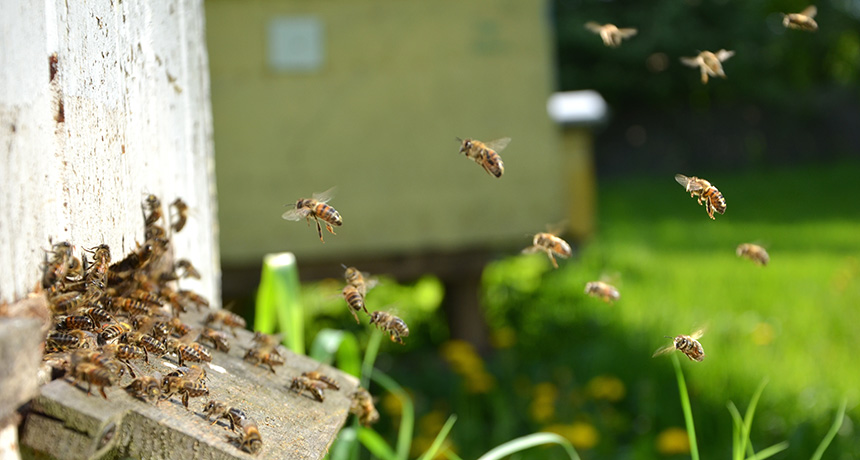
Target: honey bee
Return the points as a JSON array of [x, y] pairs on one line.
[[363, 408], [703, 191], [754, 253], [605, 291], [551, 245], [687, 344], [226, 318], [148, 343], [361, 280], [178, 327], [131, 306], [146, 296], [96, 277], [802, 20], [609, 33], [196, 299], [93, 374], [269, 357], [355, 301], [187, 350], [124, 353], [66, 302], [181, 214], [250, 440], [314, 387], [391, 324], [710, 64], [155, 232], [146, 387], [188, 270], [486, 154], [320, 377], [111, 331], [218, 339], [152, 210], [136, 260], [99, 316], [189, 382], [67, 340], [219, 410], [317, 208], [56, 269], [266, 340], [81, 322]]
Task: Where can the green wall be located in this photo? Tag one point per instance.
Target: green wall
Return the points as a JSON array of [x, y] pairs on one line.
[[400, 80]]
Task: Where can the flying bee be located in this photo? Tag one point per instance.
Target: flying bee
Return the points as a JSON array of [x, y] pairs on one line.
[[609, 33], [802, 20], [605, 291], [703, 191], [362, 406], [754, 253], [486, 154], [710, 64], [181, 215], [355, 301], [93, 374], [317, 208], [551, 245], [250, 440], [269, 357], [361, 280], [218, 339], [314, 387], [152, 210], [226, 318], [146, 387], [219, 410], [320, 377], [687, 344], [391, 324]]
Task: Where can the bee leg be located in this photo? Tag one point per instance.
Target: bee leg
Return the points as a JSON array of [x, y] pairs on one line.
[[145, 355], [551, 258], [185, 400], [319, 229], [355, 316], [271, 368], [330, 228], [102, 391]]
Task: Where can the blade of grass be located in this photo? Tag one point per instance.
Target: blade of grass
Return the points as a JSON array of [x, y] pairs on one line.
[[737, 427], [746, 443], [370, 356], [342, 448], [529, 441], [330, 344], [278, 300], [770, 451], [837, 423], [440, 438], [452, 455], [377, 446], [407, 416], [685, 404]]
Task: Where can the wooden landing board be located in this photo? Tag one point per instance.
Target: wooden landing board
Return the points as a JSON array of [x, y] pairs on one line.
[[66, 423]]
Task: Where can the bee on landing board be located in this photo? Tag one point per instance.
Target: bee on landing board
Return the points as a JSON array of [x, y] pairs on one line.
[[703, 191], [551, 245], [802, 20], [710, 64], [486, 154], [754, 253], [317, 208], [605, 291], [609, 33], [687, 344]]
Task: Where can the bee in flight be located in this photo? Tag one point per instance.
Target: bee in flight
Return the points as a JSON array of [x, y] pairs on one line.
[[605, 291], [687, 344], [317, 208], [802, 20], [703, 191], [610, 34], [710, 64], [551, 245], [486, 154], [754, 253]]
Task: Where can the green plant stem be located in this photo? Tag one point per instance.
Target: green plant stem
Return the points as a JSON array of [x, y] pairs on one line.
[[440, 438], [370, 356], [529, 441], [407, 417], [685, 404], [837, 423]]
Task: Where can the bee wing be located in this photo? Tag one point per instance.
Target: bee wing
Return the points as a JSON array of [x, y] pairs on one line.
[[369, 282], [810, 11], [499, 144], [663, 350], [296, 214], [679, 178], [698, 333], [322, 197], [531, 250], [593, 26], [192, 335], [627, 32], [722, 55], [690, 61]]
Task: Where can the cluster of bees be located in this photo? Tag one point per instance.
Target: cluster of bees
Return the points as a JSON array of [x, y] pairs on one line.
[[709, 63], [109, 316]]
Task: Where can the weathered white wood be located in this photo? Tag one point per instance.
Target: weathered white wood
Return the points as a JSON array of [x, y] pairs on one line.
[[132, 81]]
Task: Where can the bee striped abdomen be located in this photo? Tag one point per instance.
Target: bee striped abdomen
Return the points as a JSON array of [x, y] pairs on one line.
[[328, 214]]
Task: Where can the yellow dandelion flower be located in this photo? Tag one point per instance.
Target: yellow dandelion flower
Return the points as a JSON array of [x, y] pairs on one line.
[[606, 387], [582, 435], [542, 411], [762, 334], [505, 337], [479, 382], [461, 355], [673, 440]]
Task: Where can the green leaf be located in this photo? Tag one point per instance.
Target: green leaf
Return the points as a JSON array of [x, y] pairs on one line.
[[440, 438], [685, 404], [770, 451], [343, 446], [330, 344], [746, 443], [452, 455], [278, 300], [527, 442], [837, 423], [737, 428], [370, 356], [407, 417], [377, 446]]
